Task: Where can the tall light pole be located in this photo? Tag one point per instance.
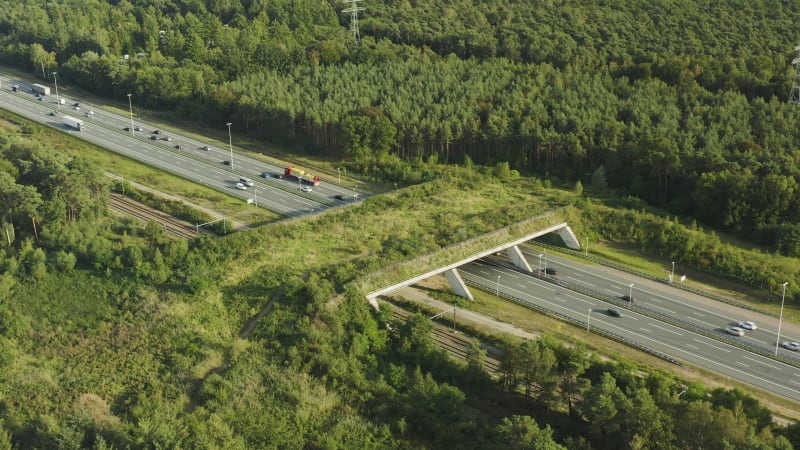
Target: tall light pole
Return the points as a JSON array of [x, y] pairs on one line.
[[58, 102], [780, 318], [230, 143], [587, 246], [339, 171], [130, 107], [630, 294], [588, 318], [672, 275], [497, 292]]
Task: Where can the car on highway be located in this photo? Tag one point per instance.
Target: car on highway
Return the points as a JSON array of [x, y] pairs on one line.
[[241, 186], [735, 331], [306, 189], [339, 197], [166, 138], [178, 146], [747, 325], [247, 181], [77, 108], [51, 113], [153, 137], [156, 131], [627, 298], [15, 88], [226, 162], [791, 345], [136, 128], [76, 104], [550, 271], [265, 175], [613, 312], [127, 128], [206, 148]]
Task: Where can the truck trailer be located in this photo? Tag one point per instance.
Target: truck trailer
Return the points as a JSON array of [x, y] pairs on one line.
[[294, 173], [39, 89], [73, 123]]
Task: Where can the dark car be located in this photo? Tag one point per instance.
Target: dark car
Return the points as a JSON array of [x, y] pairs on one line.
[[127, 128], [339, 197], [550, 271], [264, 174], [226, 162], [613, 312], [628, 298], [166, 138], [154, 137], [76, 104], [156, 131], [179, 147]]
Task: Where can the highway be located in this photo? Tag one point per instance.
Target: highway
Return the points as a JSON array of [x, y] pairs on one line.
[[189, 158], [712, 316], [696, 349]]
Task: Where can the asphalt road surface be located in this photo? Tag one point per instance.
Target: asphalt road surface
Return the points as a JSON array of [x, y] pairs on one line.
[[189, 158], [696, 349]]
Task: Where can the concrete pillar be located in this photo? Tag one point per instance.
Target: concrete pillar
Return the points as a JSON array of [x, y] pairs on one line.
[[569, 238], [516, 256], [458, 284]]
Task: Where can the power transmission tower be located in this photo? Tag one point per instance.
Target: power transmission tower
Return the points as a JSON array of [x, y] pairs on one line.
[[353, 10], [794, 97]]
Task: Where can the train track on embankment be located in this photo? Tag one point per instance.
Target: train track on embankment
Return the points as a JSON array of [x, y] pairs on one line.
[[172, 226], [456, 344]]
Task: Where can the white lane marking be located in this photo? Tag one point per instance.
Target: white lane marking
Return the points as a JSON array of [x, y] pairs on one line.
[[645, 330], [580, 299], [711, 345], [693, 346], [665, 309], [581, 281], [484, 272], [761, 362], [521, 285], [698, 314], [654, 300], [510, 275], [757, 340], [662, 328], [743, 364], [795, 382]]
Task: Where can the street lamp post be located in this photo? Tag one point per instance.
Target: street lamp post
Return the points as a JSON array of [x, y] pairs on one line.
[[672, 274], [587, 246], [780, 318], [588, 318], [130, 107], [545, 263], [230, 143], [255, 197], [58, 101], [497, 292], [339, 171], [630, 294]]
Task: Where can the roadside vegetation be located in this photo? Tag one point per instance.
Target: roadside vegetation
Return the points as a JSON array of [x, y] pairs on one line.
[[115, 336], [645, 124]]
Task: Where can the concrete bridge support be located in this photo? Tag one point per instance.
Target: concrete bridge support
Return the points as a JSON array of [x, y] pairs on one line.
[[569, 238], [516, 256], [458, 284]]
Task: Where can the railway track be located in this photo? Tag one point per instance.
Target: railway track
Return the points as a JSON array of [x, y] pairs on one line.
[[456, 345], [171, 225]]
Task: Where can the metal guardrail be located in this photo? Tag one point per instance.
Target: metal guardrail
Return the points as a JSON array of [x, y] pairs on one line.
[[648, 276], [577, 322], [657, 315]]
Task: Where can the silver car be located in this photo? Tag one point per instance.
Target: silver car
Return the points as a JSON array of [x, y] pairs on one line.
[[736, 331]]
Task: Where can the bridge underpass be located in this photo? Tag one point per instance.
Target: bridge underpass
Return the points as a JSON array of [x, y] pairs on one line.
[[510, 248]]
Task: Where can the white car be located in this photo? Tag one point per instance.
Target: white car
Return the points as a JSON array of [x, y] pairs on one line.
[[747, 325], [791, 345], [306, 189], [736, 331], [241, 186]]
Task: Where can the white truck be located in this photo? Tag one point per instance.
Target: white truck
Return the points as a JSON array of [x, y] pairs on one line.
[[73, 123], [40, 89]]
